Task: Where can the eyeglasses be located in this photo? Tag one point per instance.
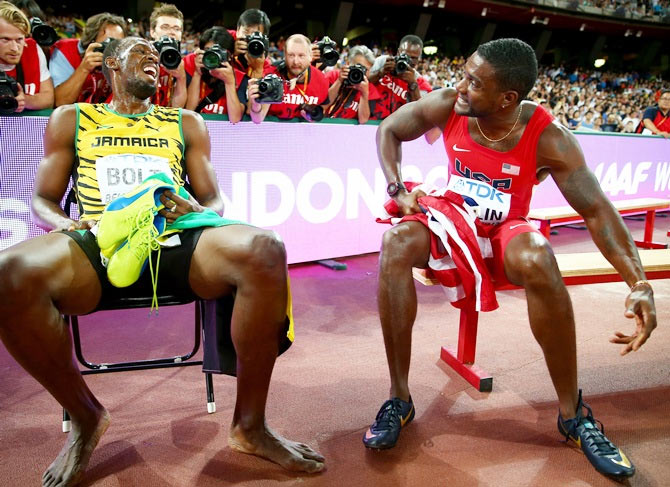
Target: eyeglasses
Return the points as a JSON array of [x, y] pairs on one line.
[[170, 28]]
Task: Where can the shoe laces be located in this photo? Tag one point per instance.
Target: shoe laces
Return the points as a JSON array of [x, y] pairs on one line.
[[388, 417], [591, 433], [144, 240]]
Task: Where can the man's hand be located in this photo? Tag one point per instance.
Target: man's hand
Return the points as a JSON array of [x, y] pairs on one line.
[[72, 225], [20, 99], [665, 135], [241, 46], [225, 73], [408, 202], [199, 67], [92, 58], [389, 65], [639, 305], [363, 86], [179, 73], [176, 206], [408, 76]]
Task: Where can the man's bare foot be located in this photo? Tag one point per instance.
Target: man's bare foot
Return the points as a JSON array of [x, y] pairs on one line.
[[269, 445], [70, 464]]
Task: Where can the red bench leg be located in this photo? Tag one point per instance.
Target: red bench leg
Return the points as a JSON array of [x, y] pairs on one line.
[[463, 361], [649, 233]]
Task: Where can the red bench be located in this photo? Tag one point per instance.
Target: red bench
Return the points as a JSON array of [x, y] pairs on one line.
[[577, 268], [565, 214]]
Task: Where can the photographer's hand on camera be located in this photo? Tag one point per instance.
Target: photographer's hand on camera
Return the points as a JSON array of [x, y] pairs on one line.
[[387, 68], [180, 92], [226, 74], [92, 58], [20, 99], [257, 111]]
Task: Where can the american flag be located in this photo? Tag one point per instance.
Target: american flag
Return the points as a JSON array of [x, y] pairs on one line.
[[508, 168], [459, 248]]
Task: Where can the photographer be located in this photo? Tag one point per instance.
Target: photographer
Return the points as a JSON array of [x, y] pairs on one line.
[[306, 88], [75, 64], [396, 79], [24, 75], [350, 91], [167, 21], [254, 66], [221, 89]]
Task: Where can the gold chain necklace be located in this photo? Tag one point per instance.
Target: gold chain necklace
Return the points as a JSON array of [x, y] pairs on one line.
[[506, 135]]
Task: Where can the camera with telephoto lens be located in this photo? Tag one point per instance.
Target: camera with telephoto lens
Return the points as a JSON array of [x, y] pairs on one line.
[[270, 89], [214, 57], [402, 63], [9, 90], [257, 44], [168, 52], [313, 113], [44, 34], [356, 74], [103, 45], [328, 53]]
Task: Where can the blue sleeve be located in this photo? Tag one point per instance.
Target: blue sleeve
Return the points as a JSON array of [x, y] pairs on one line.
[[242, 90], [650, 113], [60, 68]]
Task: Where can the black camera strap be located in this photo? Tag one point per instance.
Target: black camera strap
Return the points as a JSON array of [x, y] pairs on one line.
[[218, 91], [19, 75]]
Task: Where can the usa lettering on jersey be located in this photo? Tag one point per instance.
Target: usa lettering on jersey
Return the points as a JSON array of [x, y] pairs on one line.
[[504, 184]]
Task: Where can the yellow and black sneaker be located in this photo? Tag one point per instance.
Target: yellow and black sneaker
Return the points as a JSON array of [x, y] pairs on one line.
[[584, 432], [393, 415]]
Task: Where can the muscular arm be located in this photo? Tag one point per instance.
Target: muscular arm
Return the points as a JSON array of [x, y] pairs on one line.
[[198, 166], [53, 173], [560, 152], [408, 123]]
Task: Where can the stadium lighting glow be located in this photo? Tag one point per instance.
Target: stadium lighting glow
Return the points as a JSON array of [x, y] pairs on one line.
[[582, 27], [484, 10], [599, 63], [345, 41], [429, 50]]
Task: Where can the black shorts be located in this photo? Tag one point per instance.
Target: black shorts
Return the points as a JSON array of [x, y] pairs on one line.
[[173, 268]]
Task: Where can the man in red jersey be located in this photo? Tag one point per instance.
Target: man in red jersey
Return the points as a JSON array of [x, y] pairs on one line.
[[167, 20], [305, 86], [351, 96], [492, 137], [401, 83], [23, 62], [222, 90], [76, 64]]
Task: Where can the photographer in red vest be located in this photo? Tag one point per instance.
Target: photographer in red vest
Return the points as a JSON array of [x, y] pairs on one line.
[[75, 64], [396, 78], [23, 65]]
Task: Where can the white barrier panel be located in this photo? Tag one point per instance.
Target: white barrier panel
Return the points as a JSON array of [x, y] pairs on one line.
[[319, 185]]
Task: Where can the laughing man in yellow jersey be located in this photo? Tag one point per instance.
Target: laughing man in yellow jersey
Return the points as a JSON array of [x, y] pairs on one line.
[[109, 149]]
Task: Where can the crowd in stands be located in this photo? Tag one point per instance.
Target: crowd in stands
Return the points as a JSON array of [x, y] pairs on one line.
[[578, 98], [655, 10]]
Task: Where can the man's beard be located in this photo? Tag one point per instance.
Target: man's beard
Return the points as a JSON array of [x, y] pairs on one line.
[[141, 89]]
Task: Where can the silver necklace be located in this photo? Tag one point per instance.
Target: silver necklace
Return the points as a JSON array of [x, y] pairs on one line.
[[506, 135]]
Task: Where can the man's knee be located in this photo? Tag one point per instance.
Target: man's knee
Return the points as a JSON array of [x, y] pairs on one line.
[[265, 253], [404, 244], [532, 264], [16, 278]]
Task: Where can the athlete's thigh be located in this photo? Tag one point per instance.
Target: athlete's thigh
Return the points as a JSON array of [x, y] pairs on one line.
[[55, 265], [220, 260]]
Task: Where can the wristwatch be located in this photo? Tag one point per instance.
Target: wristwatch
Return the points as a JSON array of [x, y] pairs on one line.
[[413, 86], [393, 188]]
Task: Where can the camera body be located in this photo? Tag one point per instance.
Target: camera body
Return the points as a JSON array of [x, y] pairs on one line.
[[327, 48], [270, 89], [257, 44], [104, 45], [313, 113], [402, 63], [214, 57], [44, 34], [168, 52], [356, 74], [9, 90]]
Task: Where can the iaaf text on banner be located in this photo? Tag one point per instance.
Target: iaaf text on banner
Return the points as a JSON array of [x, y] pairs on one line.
[[319, 185]]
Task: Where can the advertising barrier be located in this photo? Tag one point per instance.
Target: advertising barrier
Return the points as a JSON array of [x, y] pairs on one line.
[[319, 185]]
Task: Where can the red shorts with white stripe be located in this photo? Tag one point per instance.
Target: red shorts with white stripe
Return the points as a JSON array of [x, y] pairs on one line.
[[500, 235]]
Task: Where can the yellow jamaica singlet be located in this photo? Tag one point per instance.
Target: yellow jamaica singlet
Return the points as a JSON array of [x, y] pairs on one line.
[[116, 152]]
